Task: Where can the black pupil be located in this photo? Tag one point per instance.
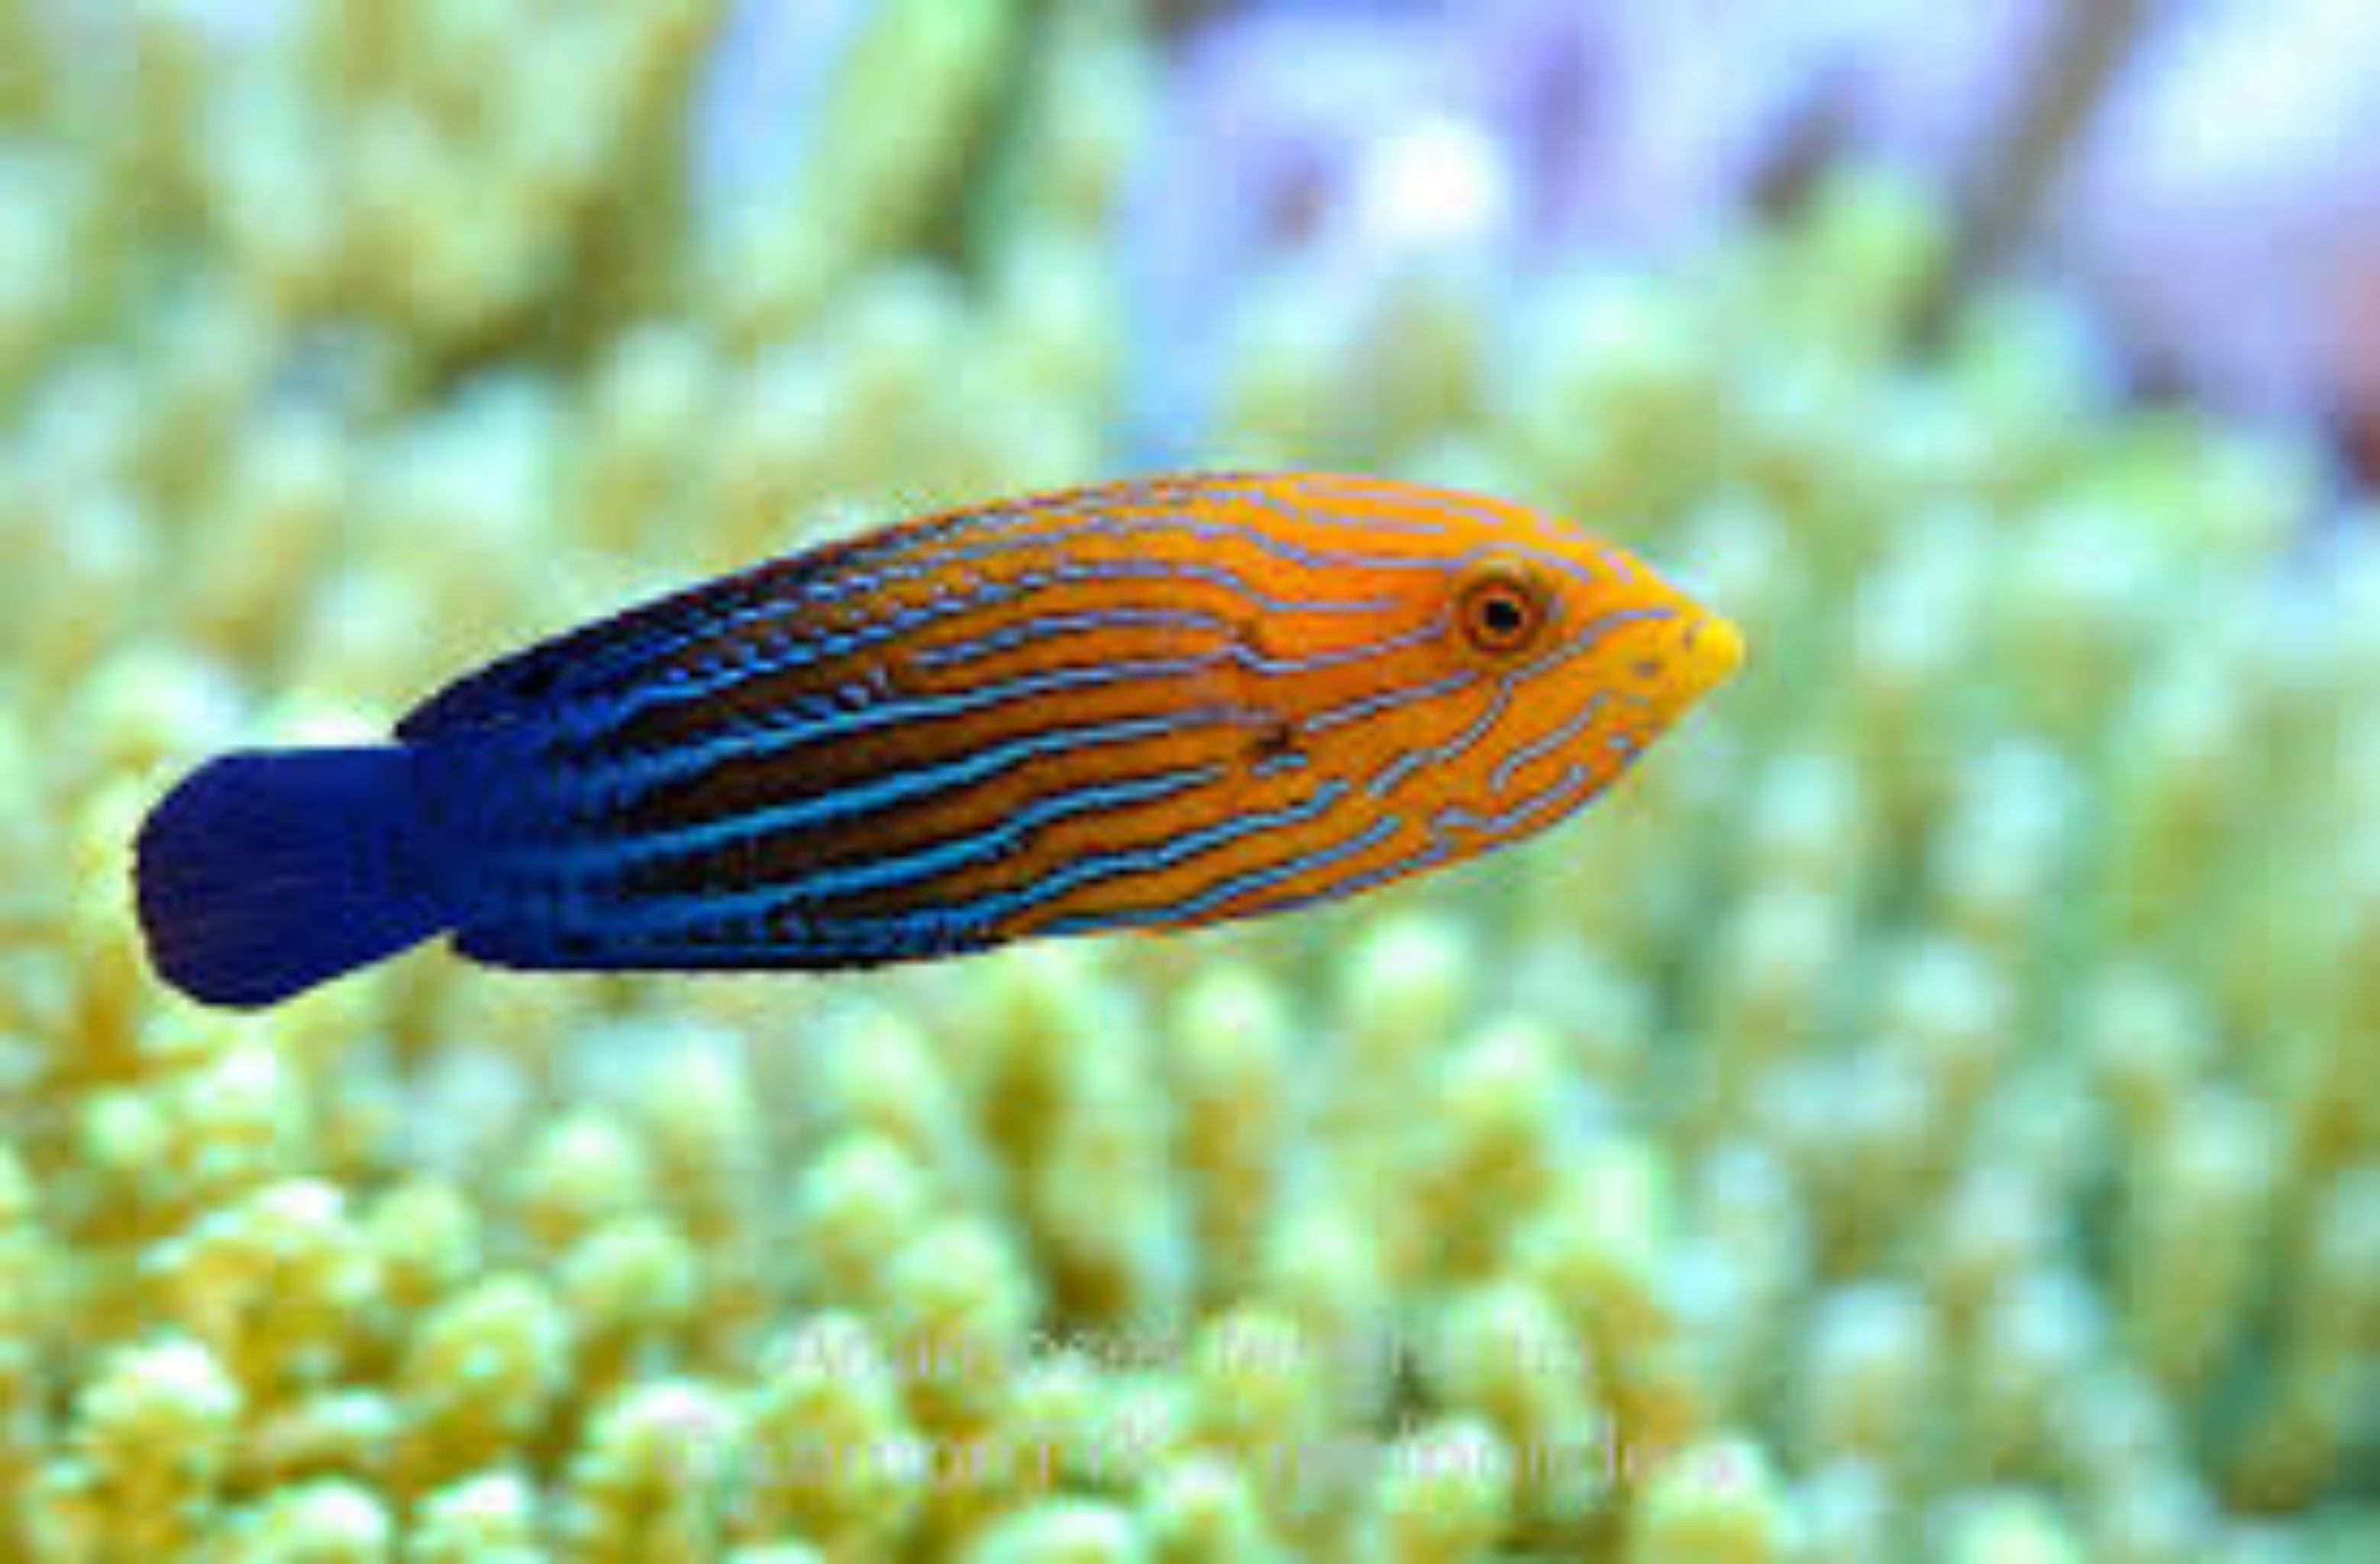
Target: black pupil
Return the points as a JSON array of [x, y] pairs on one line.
[[1501, 614]]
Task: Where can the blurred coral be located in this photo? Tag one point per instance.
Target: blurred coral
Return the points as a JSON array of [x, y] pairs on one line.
[[2198, 169], [1929, 1114]]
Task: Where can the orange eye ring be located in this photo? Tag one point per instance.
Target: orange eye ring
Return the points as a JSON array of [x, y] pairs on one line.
[[1501, 609]]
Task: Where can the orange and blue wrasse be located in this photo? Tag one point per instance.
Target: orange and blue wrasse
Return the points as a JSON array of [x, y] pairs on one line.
[[1147, 706]]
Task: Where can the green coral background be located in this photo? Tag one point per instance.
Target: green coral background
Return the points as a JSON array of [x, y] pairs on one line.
[[1930, 1114]]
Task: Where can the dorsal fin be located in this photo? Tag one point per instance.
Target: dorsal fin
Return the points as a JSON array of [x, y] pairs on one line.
[[601, 658], [607, 654]]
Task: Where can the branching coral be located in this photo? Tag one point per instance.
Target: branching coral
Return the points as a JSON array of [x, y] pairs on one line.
[[1926, 1114]]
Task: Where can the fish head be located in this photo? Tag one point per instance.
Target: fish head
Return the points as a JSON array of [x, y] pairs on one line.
[[1554, 659], [1590, 649], [1604, 623]]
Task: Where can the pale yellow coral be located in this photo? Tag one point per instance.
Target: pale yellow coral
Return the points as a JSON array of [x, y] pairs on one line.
[[829, 1452], [486, 1519], [646, 1482], [481, 1371], [2011, 1531], [28, 1299], [1229, 1064], [632, 1288], [1204, 1510], [1067, 1532], [1708, 1504], [1925, 1112], [888, 143], [1444, 1493], [1505, 1355], [859, 1200], [150, 1438], [327, 1523], [274, 1282]]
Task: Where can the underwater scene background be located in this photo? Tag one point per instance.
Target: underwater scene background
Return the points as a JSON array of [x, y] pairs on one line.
[[1930, 1112]]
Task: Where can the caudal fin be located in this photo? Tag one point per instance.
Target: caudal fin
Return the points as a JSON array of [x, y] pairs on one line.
[[265, 873]]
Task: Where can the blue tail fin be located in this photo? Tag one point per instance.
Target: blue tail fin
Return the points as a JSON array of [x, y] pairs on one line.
[[266, 873]]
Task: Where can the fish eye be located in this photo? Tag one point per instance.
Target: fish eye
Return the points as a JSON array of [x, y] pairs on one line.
[[1501, 609]]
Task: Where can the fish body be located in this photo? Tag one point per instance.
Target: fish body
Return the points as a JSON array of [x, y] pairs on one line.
[[1149, 705]]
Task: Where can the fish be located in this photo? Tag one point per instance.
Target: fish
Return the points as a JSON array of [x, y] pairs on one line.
[[1146, 705]]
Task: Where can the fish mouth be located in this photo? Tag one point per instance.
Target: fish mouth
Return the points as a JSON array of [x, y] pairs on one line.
[[1709, 651]]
